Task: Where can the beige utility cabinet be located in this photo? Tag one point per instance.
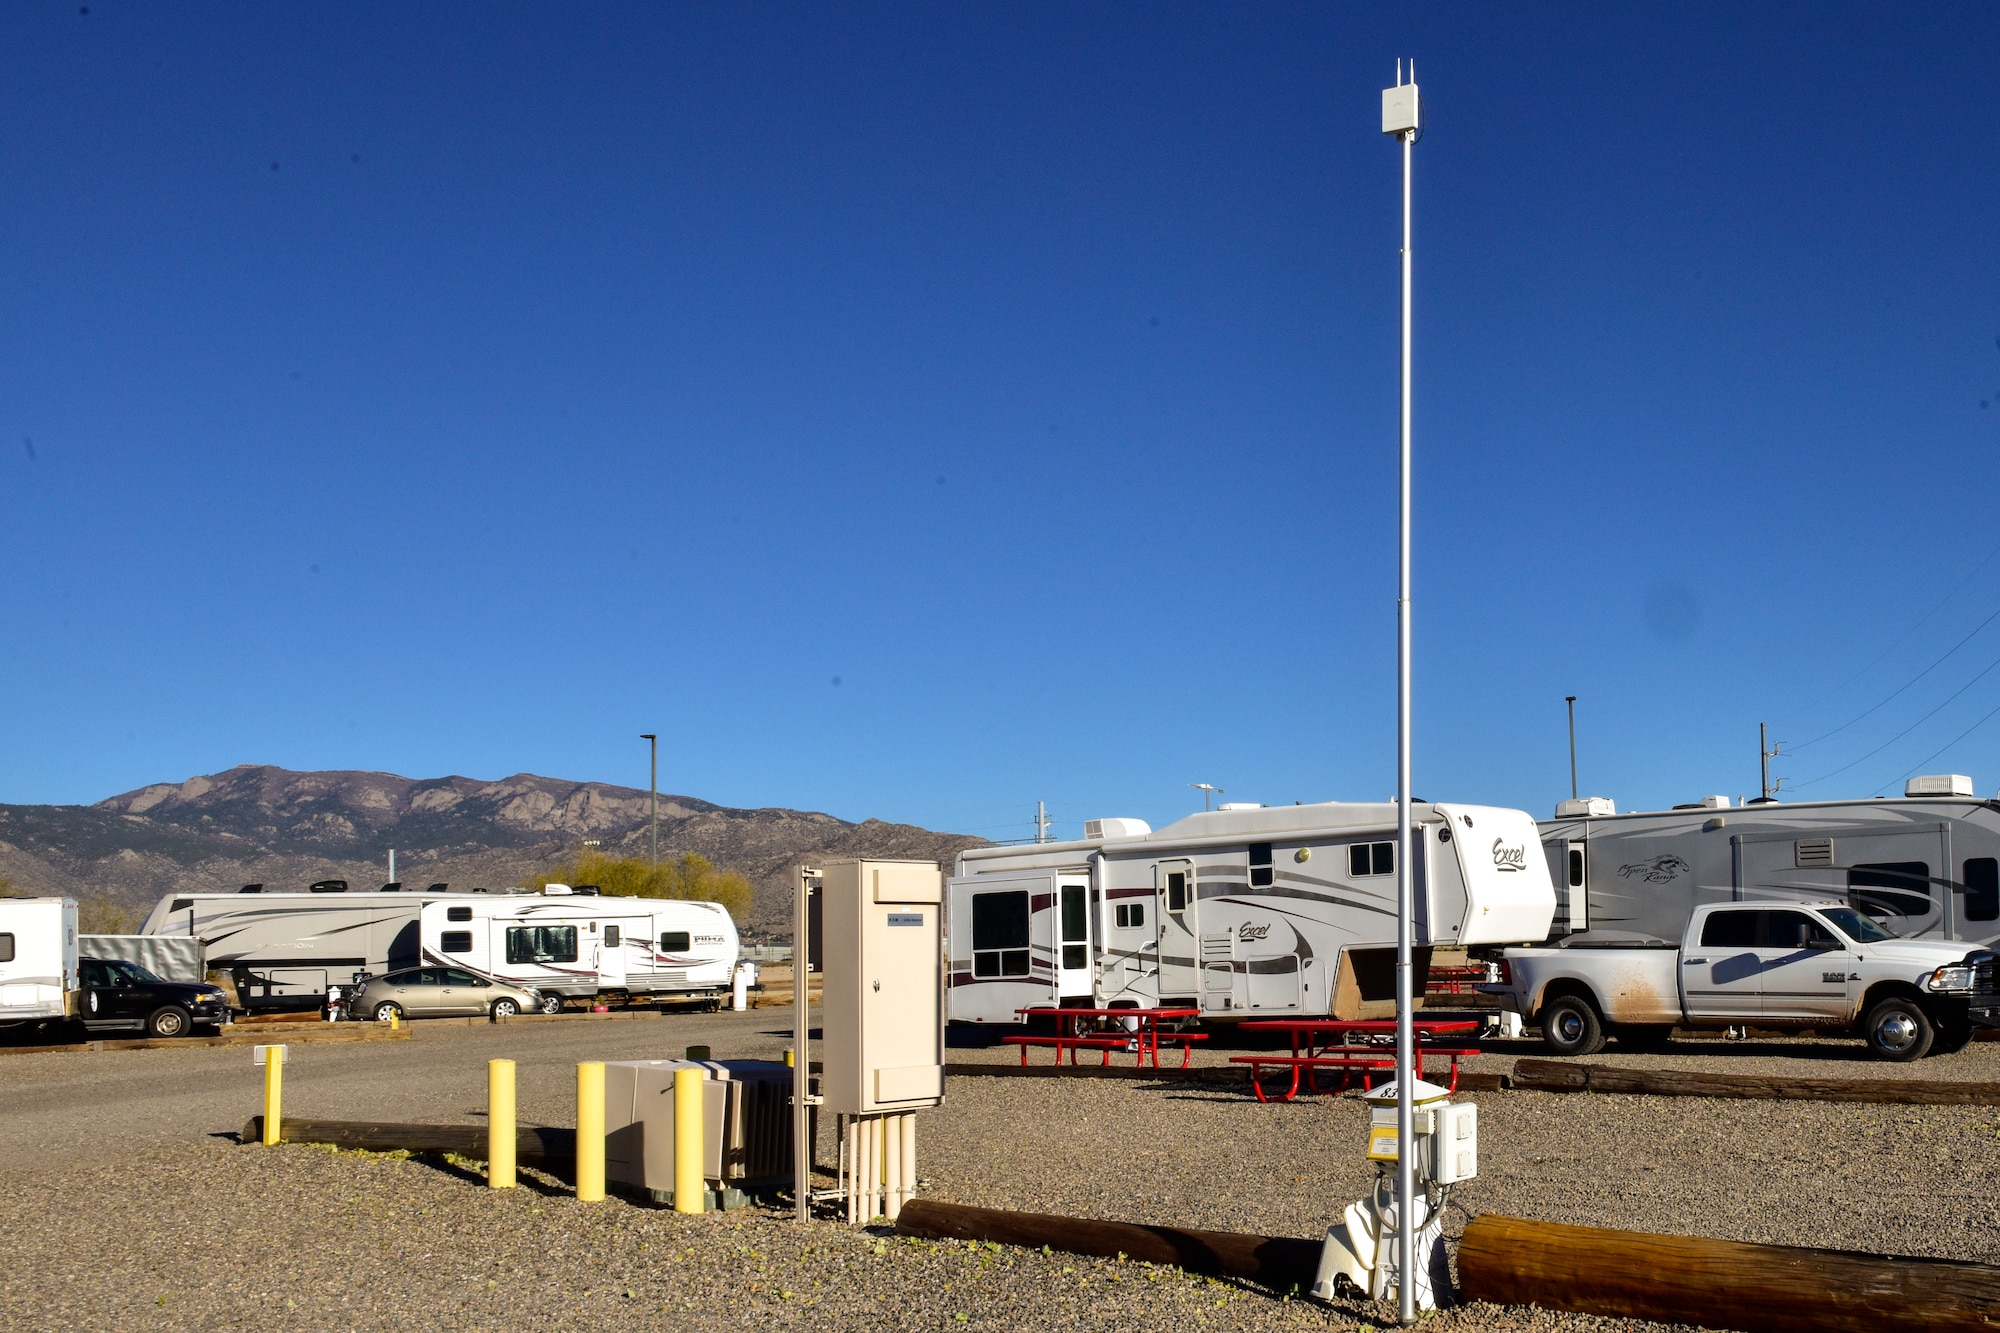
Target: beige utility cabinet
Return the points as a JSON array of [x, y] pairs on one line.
[[882, 954]]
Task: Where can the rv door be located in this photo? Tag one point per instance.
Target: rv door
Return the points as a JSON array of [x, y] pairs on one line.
[[610, 955], [1569, 867], [1174, 907], [1074, 973]]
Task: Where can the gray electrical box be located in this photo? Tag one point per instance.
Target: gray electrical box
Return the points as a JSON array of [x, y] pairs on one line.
[[883, 959], [746, 1138]]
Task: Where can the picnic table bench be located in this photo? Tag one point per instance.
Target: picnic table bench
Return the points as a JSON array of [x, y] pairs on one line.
[[1077, 1028], [1361, 1048]]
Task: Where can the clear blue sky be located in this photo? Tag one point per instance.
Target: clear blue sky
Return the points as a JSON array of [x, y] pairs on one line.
[[917, 411]]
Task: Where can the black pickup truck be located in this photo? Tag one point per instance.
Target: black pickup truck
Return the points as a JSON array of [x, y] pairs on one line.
[[121, 996]]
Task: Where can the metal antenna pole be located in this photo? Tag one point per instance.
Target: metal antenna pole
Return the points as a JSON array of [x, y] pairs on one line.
[[1406, 1157], [653, 788], [1570, 699]]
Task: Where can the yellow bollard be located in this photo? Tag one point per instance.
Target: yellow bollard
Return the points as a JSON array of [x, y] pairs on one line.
[[274, 1093], [500, 1124], [395, 1020], [791, 1061], [688, 1185], [590, 1132]]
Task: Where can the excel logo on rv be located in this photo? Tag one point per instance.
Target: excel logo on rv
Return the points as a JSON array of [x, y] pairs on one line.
[[1507, 858]]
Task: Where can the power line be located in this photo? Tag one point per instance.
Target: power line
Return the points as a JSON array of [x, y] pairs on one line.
[[1898, 641], [1954, 740], [1906, 685], [1907, 730]]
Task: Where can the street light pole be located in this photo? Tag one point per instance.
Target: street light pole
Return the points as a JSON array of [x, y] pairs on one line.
[[1208, 791], [653, 790], [1570, 699], [1401, 117]]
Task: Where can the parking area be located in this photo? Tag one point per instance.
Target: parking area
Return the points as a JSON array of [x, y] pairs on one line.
[[129, 1205]]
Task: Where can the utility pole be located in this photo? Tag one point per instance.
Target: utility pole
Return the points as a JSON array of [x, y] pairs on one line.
[[1401, 116], [1041, 822], [653, 797], [392, 865], [1766, 752], [1207, 790], [1570, 699]]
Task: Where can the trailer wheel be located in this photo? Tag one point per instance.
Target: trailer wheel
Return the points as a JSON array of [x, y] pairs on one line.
[[169, 1021], [1899, 1029], [551, 1003], [387, 1010], [1571, 1026]]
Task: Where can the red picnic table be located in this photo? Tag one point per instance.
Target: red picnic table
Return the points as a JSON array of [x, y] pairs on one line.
[[1080, 1028], [1358, 1043]]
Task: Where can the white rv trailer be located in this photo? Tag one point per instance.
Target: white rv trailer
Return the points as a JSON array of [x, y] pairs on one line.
[[564, 943], [1240, 912], [284, 949], [1926, 865], [38, 976]]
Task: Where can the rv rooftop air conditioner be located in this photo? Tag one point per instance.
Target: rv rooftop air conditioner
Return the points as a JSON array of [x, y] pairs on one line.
[[1240, 805], [1585, 807], [1939, 784], [1109, 829], [555, 890], [1706, 803]]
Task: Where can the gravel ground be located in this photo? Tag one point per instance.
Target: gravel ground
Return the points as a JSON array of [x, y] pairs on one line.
[[127, 1205]]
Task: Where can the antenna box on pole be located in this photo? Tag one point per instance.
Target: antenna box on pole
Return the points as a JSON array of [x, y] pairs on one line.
[[1400, 112]]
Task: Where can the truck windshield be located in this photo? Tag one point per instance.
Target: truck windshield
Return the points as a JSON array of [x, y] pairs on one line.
[[1861, 929]]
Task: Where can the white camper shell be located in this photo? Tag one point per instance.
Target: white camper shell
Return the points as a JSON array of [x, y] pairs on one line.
[[38, 976], [1242, 913], [565, 943]]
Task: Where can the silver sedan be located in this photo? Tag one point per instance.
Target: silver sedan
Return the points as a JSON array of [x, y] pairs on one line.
[[438, 992]]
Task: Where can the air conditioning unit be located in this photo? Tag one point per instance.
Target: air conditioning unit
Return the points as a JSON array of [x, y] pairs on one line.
[[746, 1123], [1240, 805], [1712, 803], [1108, 829], [1585, 807], [1939, 784]]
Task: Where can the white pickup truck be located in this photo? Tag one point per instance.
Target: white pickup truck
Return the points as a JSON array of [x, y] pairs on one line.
[[1819, 965]]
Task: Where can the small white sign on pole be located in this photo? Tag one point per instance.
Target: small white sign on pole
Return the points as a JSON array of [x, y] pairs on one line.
[[261, 1052]]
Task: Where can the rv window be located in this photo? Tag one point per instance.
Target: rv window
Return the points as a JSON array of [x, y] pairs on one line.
[[1730, 930], [1000, 934], [1260, 863], [1177, 894], [1075, 931], [1982, 889], [6, 947], [674, 941], [1371, 858], [1576, 867], [541, 944], [1890, 888], [181, 904], [458, 914], [611, 937], [455, 941], [1131, 914]]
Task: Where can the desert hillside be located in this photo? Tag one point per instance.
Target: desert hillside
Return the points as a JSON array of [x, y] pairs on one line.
[[257, 824]]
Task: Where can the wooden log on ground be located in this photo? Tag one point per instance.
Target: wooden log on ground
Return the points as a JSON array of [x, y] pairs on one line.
[[1234, 1076], [1561, 1076], [1278, 1262], [532, 1146], [1720, 1283]]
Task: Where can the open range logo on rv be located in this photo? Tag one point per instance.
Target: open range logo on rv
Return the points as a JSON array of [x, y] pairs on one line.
[[1659, 870], [1509, 859]]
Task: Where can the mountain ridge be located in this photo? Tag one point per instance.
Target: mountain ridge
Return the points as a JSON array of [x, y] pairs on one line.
[[261, 824]]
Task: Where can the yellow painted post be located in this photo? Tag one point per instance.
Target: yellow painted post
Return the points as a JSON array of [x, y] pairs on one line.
[[590, 1132], [274, 1093], [791, 1060], [395, 1020], [500, 1124], [688, 1183]]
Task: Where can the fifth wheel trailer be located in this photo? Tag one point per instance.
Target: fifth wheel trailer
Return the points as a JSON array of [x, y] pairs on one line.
[[1239, 912], [1924, 866]]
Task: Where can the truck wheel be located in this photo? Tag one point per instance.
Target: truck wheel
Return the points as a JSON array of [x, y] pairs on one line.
[[1899, 1029], [1644, 1036], [1570, 1026], [551, 1003], [169, 1021], [387, 1010]]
